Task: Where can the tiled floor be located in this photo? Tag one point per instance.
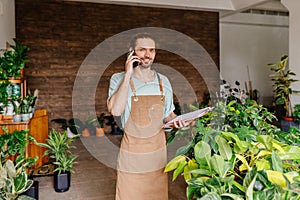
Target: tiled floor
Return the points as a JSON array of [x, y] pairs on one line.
[[92, 179]]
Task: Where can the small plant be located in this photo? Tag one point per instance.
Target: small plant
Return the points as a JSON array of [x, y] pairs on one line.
[[14, 180], [282, 81], [59, 148], [13, 60], [17, 102]]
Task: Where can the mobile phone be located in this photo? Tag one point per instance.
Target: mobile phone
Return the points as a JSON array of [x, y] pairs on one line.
[[136, 63]]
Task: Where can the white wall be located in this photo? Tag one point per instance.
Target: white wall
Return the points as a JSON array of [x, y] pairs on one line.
[[252, 40], [7, 22]]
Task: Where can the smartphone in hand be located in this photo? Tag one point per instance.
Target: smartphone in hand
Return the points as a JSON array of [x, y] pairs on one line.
[[136, 63]]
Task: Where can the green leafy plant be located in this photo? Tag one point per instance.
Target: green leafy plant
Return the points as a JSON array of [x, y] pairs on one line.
[[282, 81], [59, 148], [296, 113], [3, 93], [17, 102], [75, 125], [13, 60], [14, 180], [14, 144], [235, 155]]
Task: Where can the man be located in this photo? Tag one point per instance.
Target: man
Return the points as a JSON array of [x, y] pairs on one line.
[[144, 100]]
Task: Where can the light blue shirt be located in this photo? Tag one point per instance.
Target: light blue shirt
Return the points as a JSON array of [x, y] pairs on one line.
[[143, 88]]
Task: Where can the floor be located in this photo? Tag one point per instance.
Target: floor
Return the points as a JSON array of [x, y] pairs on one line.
[[94, 180]]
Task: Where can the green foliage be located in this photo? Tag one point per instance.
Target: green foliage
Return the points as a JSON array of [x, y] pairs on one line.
[[59, 148], [282, 81], [13, 60], [236, 153], [3, 93], [13, 176], [74, 124], [296, 113], [14, 180]]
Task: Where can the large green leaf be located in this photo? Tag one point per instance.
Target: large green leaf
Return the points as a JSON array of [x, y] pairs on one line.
[[262, 164], [202, 153], [276, 178], [266, 140], [276, 162], [173, 164], [291, 153], [179, 169], [218, 164], [224, 148]]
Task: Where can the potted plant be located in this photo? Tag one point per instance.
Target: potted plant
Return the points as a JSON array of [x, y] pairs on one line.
[[14, 180], [17, 109], [97, 124], [15, 163], [282, 81], [13, 60], [73, 126], [25, 110], [59, 148]]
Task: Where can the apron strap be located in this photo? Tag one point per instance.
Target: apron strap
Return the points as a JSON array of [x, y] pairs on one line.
[[133, 89]]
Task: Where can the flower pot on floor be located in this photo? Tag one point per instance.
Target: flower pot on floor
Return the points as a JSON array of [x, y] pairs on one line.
[[287, 123], [62, 182], [33, 191], [99, 132]]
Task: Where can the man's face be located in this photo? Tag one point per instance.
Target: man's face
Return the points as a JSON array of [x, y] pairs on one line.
[[145, 50]]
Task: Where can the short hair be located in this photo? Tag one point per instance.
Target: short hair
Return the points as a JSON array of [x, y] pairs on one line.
[[133, 40]]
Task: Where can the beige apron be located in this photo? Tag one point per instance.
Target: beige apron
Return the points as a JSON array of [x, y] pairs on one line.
[[143, 154]]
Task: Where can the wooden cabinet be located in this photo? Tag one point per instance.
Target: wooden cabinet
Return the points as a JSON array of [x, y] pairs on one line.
[[38, 128]]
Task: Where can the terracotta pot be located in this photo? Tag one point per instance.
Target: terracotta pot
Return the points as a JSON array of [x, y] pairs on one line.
[[288, 119], [99, 132], [85, 132]]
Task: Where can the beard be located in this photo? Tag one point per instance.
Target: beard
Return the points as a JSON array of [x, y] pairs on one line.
[[146, 65]]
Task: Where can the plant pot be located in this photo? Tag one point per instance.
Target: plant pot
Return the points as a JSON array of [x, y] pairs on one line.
[[17, 118], [287, 123], [62, 182], [33, 191], [99, 132], [25, 117], [85, 132]]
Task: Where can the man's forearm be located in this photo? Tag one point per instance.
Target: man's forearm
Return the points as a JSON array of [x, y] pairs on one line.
[[118, 100]]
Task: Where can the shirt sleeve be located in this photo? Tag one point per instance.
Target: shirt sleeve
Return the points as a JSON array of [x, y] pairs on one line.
[[114, 84]]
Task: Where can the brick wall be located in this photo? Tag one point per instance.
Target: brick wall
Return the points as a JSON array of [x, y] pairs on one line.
[[62, 34]]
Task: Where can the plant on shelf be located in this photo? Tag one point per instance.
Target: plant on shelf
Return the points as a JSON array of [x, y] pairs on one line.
[[282, 81], [59, 148], [235, 153], [16, 101], [13, 60], [3, 94]]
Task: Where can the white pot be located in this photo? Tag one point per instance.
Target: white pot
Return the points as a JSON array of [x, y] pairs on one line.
[[25, 117]]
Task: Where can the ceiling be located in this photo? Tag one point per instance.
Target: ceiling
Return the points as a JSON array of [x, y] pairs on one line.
[[224, 7]]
